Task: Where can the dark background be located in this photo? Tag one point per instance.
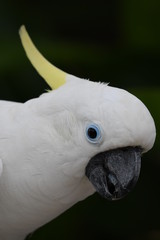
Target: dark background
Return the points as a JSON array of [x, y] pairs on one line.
[[110, 41]]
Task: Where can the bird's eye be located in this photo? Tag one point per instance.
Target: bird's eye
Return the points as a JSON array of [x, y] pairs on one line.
[[93, 133]]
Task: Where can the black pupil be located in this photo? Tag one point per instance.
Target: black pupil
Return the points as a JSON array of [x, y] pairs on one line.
[[92, 133]]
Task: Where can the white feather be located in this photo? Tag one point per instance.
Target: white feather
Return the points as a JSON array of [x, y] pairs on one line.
[[44, 152]]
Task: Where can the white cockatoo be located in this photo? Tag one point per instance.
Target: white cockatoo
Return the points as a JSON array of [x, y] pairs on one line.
[[60, 148]]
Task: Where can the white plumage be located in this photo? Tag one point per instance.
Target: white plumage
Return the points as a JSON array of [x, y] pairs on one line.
[[44, 150]]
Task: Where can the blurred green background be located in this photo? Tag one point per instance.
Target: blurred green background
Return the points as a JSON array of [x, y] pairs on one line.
[[110, 41]]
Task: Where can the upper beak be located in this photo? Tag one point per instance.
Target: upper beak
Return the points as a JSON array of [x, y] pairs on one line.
[[114, 173]]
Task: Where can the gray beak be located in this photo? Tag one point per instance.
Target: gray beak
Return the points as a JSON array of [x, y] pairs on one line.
[[114, 173]]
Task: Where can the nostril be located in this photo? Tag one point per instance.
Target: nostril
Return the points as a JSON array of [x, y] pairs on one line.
[[111, 187], [111, 183]]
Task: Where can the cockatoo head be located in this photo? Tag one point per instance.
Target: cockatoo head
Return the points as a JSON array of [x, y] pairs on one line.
[[104, 129]]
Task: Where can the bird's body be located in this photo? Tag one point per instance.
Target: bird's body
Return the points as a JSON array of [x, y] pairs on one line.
[[45, 149], [38, 186]]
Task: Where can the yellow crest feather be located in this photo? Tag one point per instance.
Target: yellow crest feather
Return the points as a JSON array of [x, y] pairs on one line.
[[51, 74]]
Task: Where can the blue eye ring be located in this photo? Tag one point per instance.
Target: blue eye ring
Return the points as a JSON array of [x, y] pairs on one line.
[[93, 133]]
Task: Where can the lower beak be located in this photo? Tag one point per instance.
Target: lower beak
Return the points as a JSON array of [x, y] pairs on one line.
[[114, 173]]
